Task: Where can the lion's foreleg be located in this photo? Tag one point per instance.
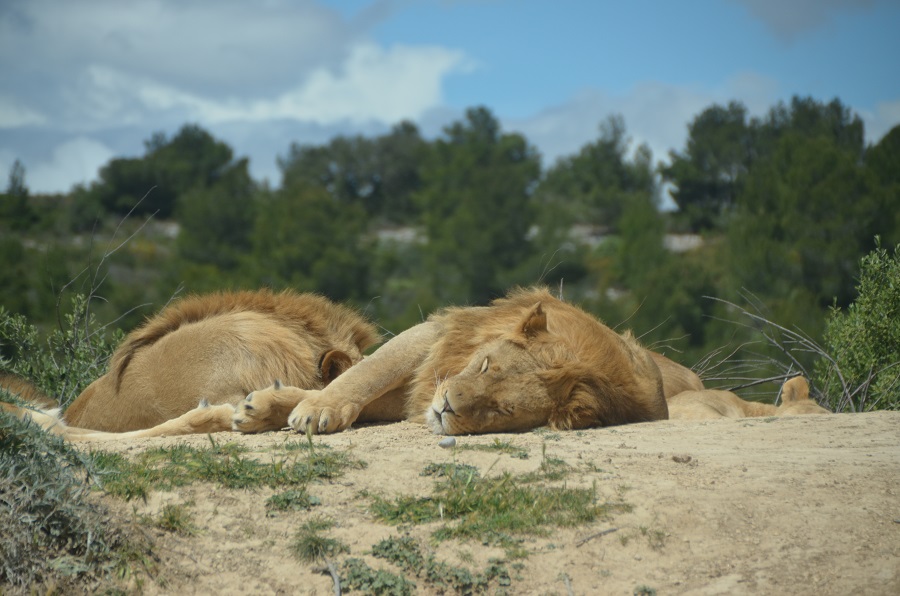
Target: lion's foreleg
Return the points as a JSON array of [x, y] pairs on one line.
[[337, 406]]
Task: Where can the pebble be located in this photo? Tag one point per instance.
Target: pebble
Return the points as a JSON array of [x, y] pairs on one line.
[[448, 442]]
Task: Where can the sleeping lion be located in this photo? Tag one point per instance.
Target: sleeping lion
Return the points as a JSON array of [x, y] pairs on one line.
[[709, 404], [525, 361]]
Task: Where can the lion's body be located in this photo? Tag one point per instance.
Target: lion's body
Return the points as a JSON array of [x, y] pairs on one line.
[[711, 404], [218, 348], [676, 378], [541, 361]]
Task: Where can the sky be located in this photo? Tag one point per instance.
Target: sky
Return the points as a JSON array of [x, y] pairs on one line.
[[85, 82]]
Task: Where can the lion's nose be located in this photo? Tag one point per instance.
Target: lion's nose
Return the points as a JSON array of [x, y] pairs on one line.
[[447, 409]]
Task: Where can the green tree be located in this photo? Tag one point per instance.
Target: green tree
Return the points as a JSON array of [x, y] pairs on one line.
[[882, 161], [217, 221], [708, 173], [476, 185], [379, 174], [804, 218], [307, 240], [15, 211], [169, 168], [599, 180]]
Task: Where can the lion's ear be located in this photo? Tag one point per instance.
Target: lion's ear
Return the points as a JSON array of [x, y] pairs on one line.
[[794, 390], [334, 364], [534, 322]]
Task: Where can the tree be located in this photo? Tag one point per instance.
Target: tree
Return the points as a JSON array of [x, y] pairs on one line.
[[708, 174], [379, 174], [882, 162], [307, 240], [15, 210], [598, 181], [169, 168], [804, 218], [476, 185], [217, 221]]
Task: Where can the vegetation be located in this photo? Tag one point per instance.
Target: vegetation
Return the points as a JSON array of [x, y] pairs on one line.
[[51, 531], [862, 370], [780, 208], [494, 509]]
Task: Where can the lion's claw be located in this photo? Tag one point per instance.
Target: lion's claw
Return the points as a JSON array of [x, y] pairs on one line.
[[314, 417]]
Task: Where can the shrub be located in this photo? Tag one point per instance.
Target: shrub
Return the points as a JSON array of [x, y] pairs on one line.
[[72, 357], [861, 370]]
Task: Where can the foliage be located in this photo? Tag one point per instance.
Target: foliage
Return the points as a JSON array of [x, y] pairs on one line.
[[476, 184], [356, 575], [49, 527], [406, 554], [71, 358], [861, 371]]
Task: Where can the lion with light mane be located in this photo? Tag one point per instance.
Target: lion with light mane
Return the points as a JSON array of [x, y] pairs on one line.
[[211, 349], [525, 361], [709, 404]]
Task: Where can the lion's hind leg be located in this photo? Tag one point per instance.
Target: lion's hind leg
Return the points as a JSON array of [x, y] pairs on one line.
[[203, 419]]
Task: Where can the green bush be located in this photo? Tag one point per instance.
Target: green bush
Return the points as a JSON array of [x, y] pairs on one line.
[[68, 360], [49, 529], [862, 369]]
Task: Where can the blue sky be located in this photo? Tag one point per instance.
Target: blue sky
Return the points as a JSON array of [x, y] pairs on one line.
[[83, 82]]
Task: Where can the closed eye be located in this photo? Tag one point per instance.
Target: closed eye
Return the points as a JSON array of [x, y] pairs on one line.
[[484, 365]]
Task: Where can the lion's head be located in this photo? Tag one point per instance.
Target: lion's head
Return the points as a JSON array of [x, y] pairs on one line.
[[795, 400], [530, 377]]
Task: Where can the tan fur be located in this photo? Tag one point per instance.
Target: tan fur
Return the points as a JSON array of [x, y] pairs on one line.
[[676, 378], [216, 348], [710, 404], [26, 392], [525, 361]]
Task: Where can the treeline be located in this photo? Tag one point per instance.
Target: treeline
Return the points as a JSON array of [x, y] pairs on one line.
[[773, 214]]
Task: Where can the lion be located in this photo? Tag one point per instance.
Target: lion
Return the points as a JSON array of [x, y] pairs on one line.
[[711, 403], [211, 349], [524, 361]]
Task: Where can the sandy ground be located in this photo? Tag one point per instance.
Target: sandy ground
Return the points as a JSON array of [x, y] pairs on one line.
[[807, 505]]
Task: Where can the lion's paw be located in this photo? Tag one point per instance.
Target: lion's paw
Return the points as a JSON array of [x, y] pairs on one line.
[[318, 416], [266, 409]]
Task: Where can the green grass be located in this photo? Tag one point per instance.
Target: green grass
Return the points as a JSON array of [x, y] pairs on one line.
[[498, 446], [165, 468], [294, 499], [493, 509], [310, 545]]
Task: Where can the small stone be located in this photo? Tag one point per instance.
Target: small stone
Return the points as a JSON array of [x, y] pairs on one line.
[[681, 459], [448, 442]]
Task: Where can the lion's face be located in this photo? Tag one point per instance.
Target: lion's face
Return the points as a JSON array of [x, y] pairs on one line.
[[500, 390]]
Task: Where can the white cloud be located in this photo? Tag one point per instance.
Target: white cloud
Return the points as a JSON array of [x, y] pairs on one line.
[[13, 114], [372, 84], [72, 162], [878, 123], [655, 113], [225, 45]]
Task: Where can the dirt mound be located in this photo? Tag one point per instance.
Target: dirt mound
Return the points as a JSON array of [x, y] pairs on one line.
[[805, 505]]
